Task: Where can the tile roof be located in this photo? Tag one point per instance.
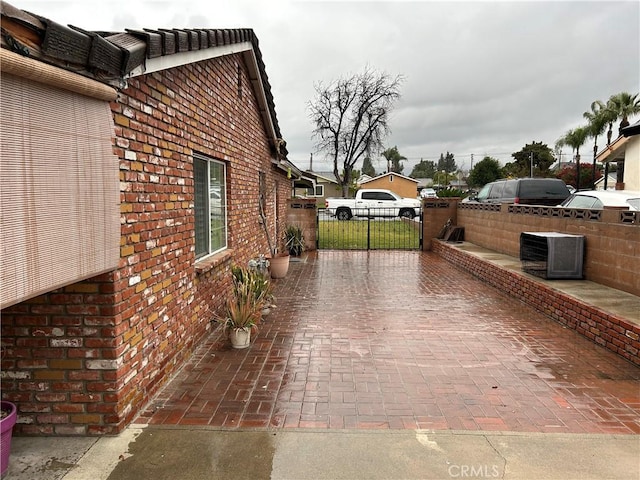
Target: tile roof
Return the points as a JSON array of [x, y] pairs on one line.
[[111, 57], [631, 130]]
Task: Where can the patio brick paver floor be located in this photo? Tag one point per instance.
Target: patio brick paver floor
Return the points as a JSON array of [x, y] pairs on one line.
[[401, 340]]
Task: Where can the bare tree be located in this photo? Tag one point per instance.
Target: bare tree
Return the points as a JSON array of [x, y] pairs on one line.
[[351, 118]]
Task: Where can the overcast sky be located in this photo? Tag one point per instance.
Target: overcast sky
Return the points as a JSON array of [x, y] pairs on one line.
[[482, 78]]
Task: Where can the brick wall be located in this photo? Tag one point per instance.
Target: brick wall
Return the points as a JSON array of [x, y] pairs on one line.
[[615, 333], [303, 212], [436, 212], [85, 359]]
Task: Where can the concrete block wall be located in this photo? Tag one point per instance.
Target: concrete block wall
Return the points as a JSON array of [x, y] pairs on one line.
[[85, 359], [612, 237], [617, 334]]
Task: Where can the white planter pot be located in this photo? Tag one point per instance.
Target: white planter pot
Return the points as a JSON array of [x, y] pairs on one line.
[[240, 338]]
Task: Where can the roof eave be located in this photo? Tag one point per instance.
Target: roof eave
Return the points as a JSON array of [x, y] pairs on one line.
[[613, 152]]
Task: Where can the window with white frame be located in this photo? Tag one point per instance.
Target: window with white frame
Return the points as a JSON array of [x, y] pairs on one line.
[[319, 191], [210, 205]]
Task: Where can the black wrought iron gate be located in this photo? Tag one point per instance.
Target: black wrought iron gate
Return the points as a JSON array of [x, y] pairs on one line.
[[376, 230]]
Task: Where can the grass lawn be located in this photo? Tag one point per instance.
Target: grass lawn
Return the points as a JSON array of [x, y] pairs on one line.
[[384, 234]]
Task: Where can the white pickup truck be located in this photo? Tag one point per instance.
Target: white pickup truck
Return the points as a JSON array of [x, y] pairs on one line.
[[373, 203]]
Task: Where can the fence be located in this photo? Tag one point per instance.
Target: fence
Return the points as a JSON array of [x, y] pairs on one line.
[[374, 229]]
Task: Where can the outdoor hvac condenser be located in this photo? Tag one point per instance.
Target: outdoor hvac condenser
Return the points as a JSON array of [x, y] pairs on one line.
[[552, 255]]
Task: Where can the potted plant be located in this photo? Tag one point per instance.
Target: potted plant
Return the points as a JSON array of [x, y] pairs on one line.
[[241, 315], [278, 262], [294, 240], [259, 284], [243, 309], [8, 416]]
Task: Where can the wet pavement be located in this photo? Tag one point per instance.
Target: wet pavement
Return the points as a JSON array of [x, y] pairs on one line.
[[379, 365], [401, 340]]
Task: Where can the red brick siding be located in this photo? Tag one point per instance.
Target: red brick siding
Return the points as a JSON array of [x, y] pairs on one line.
[[85, 359], [55, 348], [610, 331]]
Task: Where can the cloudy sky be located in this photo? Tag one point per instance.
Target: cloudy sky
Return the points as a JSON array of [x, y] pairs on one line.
[[482, 78]]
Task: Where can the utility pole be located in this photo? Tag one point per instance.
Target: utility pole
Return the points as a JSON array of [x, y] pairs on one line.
[[471, 162], [531, 160]]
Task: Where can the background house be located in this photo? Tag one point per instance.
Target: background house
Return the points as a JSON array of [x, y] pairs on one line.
[[161, 149], [625, 152], [326, 186], [610, 182], [403, 186]]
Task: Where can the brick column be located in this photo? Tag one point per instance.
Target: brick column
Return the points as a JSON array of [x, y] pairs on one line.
[[303, 212], [435, 213]]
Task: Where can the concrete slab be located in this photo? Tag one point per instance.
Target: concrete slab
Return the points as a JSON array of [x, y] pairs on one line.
[[45, 458], [195, 453]]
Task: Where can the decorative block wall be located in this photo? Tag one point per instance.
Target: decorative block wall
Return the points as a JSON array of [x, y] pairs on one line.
[[612, 237]]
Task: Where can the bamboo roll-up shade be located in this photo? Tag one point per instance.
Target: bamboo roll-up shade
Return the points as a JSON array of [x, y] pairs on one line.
[[30, 68], [59, 189]]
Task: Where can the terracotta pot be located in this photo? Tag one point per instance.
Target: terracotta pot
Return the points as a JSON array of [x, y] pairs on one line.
[[279, 265], [6, 430]]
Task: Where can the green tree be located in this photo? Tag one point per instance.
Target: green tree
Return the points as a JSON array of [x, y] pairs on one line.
[[538, 152], [447, 163], [367, 167], [622, 106], [394, 160], [575, 139], [351, 119], [598, 119], [486, 170], [568, 175], [424, 169]]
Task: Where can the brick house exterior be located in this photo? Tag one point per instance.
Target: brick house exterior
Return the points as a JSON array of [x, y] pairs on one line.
[[84, 358]]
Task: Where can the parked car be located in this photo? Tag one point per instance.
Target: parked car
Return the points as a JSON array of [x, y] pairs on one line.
[[525, 191], [428, 193], [599, 199]]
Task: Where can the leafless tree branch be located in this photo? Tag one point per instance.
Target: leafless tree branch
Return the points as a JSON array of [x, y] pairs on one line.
[[351, 118]]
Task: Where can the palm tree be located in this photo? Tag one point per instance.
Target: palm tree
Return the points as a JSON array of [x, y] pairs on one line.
[[622, 106], [575, 139], [394, 160], [598, 120]]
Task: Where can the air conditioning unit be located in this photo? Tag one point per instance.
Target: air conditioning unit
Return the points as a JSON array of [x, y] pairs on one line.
[[552, 255]]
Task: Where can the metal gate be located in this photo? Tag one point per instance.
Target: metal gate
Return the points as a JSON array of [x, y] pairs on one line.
[[376, 230]]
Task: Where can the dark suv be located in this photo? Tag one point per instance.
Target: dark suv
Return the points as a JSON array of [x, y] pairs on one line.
[[525, 191]]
